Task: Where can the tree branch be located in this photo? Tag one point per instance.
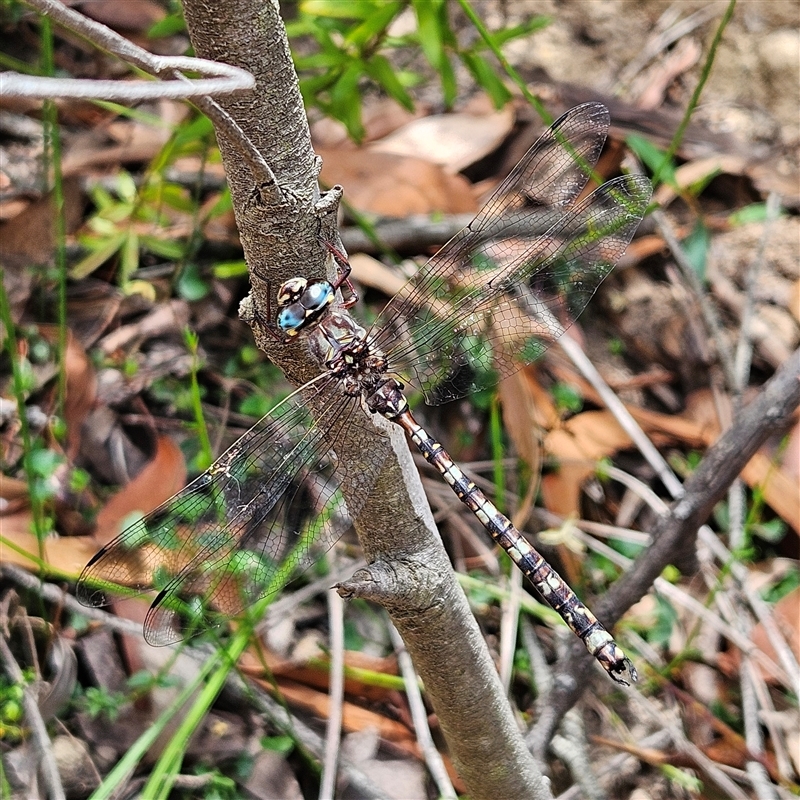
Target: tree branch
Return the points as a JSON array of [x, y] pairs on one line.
[[409, 572]]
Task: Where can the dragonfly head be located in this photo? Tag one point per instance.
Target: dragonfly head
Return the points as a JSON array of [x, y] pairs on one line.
[[301, 302]]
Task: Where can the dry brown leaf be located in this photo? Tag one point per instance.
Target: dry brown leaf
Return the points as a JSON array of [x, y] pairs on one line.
[[779, 489], [354, 718], [132, 15], [396, 186], [317, 675], [161, 478], [28, 242], [81, 386], [696, 170], [454, 141], [368, 271], [578, 446], [786, 615], [66, 554], [523, 417]]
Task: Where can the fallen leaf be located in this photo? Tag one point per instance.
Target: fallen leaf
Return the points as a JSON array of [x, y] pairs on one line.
[[454, 141], [161, 478], [396, 186], [81, 386]]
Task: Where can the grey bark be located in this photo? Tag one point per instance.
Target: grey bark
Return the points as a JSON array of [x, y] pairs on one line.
[[409, 572]]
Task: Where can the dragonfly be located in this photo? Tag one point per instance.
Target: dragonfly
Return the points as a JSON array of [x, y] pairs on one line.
[[492, 300]]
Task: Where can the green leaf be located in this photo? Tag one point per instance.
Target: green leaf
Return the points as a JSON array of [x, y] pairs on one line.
[[771, 531], [279, 744], [696, 245], [345, 102], [434, 34], [383, 73], [164, 248], [523, 29], [169, 26], [755, 212], [374, 25], [567, 397], [352, 9], [101, 252], [653, 158], [486, 77], [230, 269], [191, 286]]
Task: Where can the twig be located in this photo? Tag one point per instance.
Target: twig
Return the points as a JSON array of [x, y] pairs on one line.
[[761, 609], [230, 80], [309, 739], [752, 734], [708, 766], [660, 40], [570, 747], [54, 594], [48, 766], [655, 741], [742, 360], [333, 728], [419, 716], [621, 414], [509, 625]]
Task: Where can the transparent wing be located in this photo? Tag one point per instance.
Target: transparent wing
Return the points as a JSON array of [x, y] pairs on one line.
[[531, 249], [263, 511]]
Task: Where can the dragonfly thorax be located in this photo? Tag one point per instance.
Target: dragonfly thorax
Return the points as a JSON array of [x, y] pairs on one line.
[[342, 346], [301, 303]]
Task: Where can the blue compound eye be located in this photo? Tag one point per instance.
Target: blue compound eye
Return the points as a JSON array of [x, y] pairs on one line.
[[317, 295], [291, 318]]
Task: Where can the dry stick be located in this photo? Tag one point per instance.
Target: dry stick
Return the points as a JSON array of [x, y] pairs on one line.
[[736, 502], [298, 731], [768, 717], [47, 761], [768, 412], [761, 608], [681, 598], [655, 741], [713, 770], [54, 594], [752, 732], [661, 40], [333, 729], [570, 747], [419, 716], [231, 81]]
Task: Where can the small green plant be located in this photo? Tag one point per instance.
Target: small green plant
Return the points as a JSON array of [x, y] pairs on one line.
[[11, 706], [340, 47], [99, 701]]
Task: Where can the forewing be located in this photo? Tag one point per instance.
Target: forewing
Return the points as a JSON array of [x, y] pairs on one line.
[[509, 296], [531, 199], [262, 511]]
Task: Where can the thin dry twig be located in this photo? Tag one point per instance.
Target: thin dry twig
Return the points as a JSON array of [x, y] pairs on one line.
[[419, 716], [769, 411], [711, 768], [230, 80], [333, 728], [570, 747], [707, 309]]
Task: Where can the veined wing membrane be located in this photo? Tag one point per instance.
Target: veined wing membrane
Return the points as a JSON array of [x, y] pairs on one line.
[[476, 318], [215, 547]]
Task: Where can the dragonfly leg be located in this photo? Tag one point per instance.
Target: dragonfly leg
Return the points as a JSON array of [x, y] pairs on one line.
[[343, 270]]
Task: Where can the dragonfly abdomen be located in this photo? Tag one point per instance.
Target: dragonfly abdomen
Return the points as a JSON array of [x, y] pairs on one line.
[[548, 582]]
